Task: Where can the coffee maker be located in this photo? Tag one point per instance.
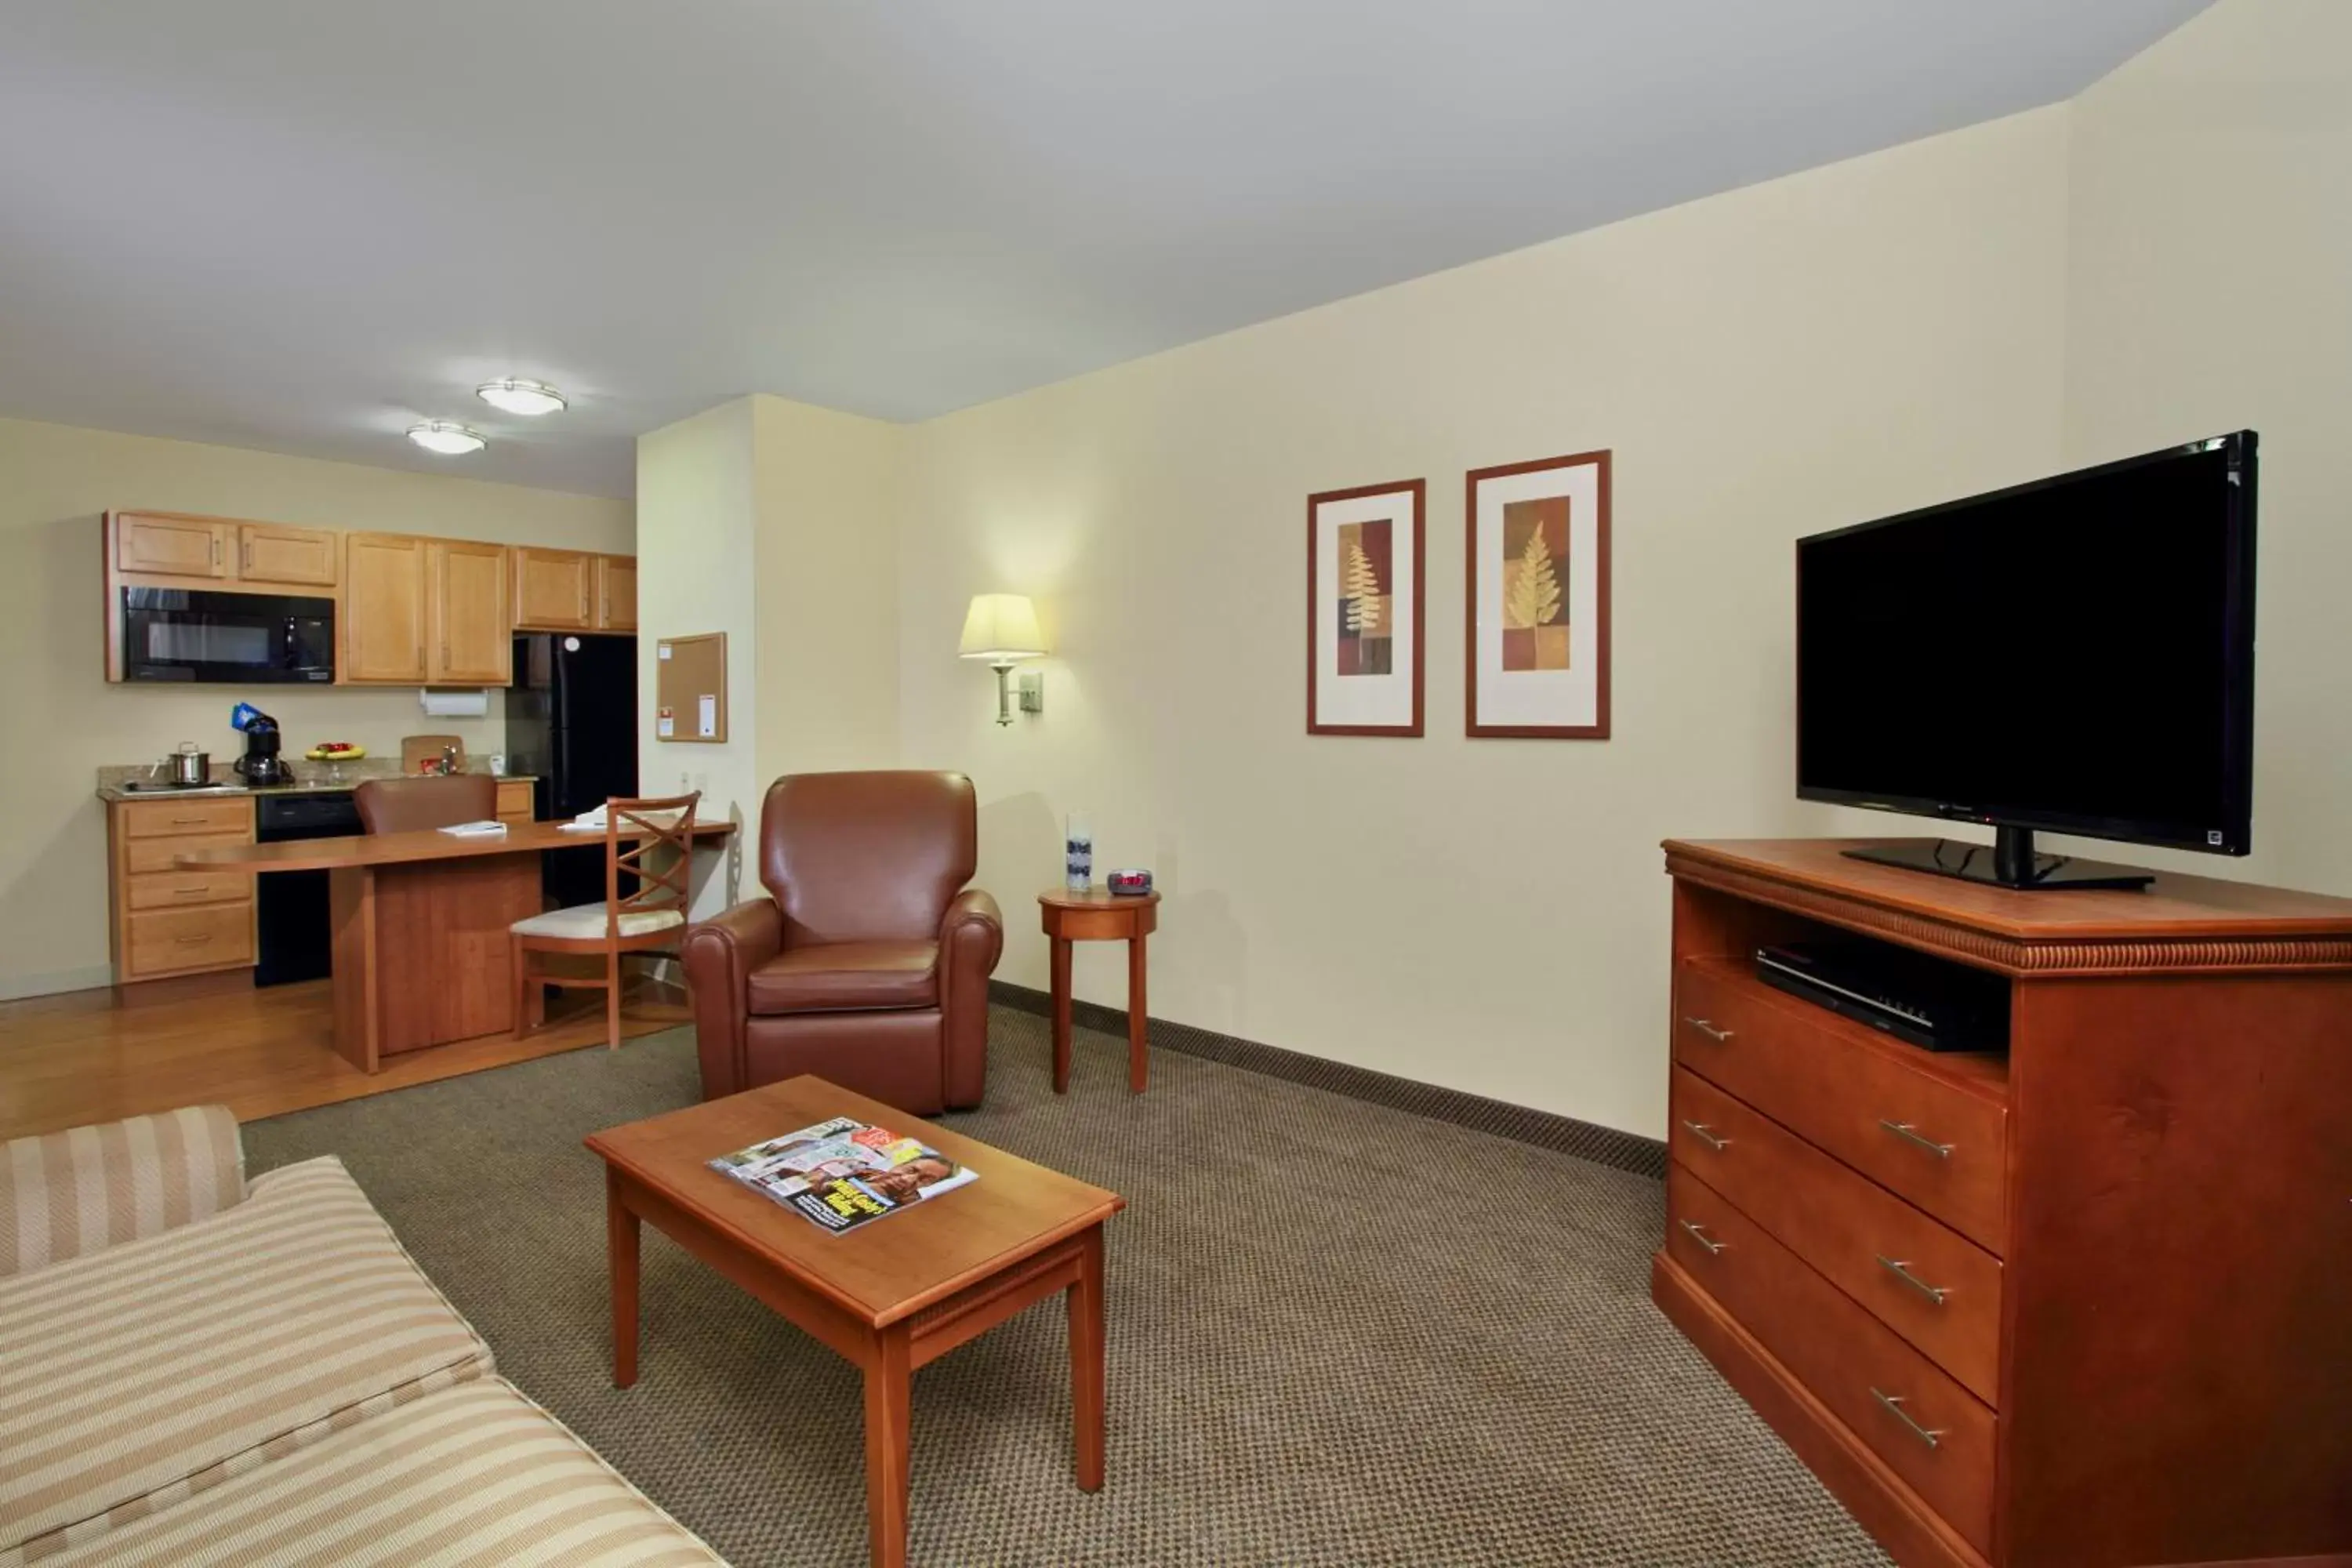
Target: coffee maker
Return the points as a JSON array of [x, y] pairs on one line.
[[261, 764]]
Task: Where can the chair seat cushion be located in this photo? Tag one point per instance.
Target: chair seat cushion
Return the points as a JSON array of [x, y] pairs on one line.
[[465, 1476], [846, 977], [136, 1376], [586, 922]]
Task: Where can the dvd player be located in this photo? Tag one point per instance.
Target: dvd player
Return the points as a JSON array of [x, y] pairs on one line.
[[1927, 1001]]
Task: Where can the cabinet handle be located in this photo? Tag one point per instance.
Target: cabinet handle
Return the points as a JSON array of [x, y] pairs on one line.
[[1902, 1271], [217, 550], [1911, 1134], [1931, 1435], [1706, 1134], [203, 892], [193, 941], [1708, 1028], [189, 821], [246, 559], [584, 601], [1698, 1234]]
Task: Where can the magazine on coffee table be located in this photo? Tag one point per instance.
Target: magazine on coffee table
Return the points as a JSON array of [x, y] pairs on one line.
[[845, 1173]]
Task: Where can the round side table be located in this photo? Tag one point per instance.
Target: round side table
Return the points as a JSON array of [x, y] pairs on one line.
[[1098, 916]]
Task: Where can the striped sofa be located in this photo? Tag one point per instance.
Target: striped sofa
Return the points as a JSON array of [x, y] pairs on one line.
[[195, 1369]]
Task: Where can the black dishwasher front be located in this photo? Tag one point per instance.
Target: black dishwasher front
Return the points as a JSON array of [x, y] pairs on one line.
[[291, 906]]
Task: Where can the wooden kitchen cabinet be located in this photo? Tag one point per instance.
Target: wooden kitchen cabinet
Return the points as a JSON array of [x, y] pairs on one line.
[[616, 593], [518, 800], [382, 626], [166, 921], [553, 589], [469, 641], [267, 553], [169, 545]]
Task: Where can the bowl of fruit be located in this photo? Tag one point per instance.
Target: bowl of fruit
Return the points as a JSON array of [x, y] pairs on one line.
[[335, 751]]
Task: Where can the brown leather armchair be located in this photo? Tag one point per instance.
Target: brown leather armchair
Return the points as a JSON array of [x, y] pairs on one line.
[[868, 963]]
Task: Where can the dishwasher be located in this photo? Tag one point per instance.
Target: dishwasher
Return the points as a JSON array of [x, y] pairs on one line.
[[296, 943]]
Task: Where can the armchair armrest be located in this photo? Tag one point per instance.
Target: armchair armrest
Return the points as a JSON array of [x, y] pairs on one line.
[[972, 939], [68, 1195], [719, 956]]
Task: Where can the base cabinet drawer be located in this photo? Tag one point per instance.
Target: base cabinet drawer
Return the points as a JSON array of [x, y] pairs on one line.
[[184, 818], [1856, 1094], [164, 942], [1931, 1432], [183, 890], [1928, 1283], [515, 801]]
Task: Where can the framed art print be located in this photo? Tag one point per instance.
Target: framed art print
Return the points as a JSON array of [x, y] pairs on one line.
[[1539, 599], [1364, 610]]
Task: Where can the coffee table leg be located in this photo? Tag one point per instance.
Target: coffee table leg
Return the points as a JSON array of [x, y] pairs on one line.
[[1086, 1299], [887, 1373], [1138, 1058], [621, 1241], [1061, 1016]]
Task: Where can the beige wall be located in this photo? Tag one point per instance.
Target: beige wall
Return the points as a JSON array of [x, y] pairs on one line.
[[771, 520], [697, 523], [1489, 914], [2210, 288], [60, 719], [827, 588]]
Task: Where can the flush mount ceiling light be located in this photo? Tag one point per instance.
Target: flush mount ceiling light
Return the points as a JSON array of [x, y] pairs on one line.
[[517, 395], [447, 437]]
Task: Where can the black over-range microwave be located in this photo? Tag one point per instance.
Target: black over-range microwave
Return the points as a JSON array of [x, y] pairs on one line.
[[187, 635]]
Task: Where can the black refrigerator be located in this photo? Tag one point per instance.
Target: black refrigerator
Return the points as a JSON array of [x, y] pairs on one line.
[[571, 720]]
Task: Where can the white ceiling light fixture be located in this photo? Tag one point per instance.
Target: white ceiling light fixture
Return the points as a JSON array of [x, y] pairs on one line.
[[447, 438], [517, 395]]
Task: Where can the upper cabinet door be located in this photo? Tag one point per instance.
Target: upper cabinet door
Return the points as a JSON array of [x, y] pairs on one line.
[[616, 593], [179, 546], [552, 589], [384, 608], [471, 642], [268, 553]]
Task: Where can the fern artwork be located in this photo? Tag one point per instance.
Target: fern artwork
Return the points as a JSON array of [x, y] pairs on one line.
[[1367, 612], [1534, 582]]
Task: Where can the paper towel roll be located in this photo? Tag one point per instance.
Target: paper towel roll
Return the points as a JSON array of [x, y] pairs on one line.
[[453, 702]]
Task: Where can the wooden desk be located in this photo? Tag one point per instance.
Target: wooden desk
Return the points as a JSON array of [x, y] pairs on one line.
[[888, 1296], [421, 947], [1098, 916]]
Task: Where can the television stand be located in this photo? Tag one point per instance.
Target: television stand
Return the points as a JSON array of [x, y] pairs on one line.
[[2008, 861]]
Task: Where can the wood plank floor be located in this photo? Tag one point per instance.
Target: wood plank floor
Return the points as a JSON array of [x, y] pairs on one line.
[[95, 1055]]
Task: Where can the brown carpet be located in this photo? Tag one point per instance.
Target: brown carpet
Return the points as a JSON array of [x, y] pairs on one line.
[[1339, 1334]]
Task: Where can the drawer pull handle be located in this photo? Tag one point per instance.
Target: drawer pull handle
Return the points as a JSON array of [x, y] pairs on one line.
[[1707, 1028], [1698, 1234], [1902, 1271], [190, 821], [203, 892], [191, 941], [1931, 1435], [1706, 1134], [1911, 1134]]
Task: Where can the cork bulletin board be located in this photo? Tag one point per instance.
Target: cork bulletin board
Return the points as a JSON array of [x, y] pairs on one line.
[[690, 688]]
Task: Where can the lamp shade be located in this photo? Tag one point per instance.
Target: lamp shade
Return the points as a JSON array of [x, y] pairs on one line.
[[1000, 626]]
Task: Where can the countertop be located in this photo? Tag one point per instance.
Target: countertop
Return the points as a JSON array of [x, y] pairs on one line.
[[402, 848], [310, 778]]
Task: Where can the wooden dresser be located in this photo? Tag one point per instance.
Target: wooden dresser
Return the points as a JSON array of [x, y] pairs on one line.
[[2086, 1304], [165, 921]]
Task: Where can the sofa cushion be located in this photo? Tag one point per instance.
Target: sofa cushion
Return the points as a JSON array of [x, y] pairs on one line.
[[475, 1475], [154, 1369], [846, 977], [71, 1194]]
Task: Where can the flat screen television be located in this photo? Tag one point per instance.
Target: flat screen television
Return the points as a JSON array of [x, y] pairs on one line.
[[2074, 655]]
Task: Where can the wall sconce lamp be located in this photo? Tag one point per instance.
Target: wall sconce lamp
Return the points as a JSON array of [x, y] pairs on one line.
[[1002, 629]]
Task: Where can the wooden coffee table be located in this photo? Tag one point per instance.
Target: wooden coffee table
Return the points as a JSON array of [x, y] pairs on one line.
[[889, 1296]]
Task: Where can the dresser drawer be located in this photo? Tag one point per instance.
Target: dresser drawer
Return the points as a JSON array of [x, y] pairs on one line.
[[1928, 1283], [1928, 1429], [179, 890], [179, 818], [162, 942], [1876, 1103]]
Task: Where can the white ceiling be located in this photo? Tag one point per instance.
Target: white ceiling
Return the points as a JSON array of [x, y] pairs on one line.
[[303, 225]]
